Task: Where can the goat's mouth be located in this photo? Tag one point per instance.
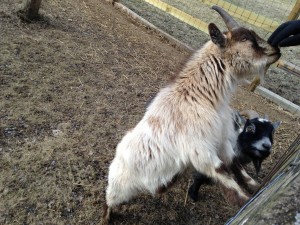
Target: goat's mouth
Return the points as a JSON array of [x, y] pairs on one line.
[[273, 57], [278, 54], [258, 153], [261, 153]]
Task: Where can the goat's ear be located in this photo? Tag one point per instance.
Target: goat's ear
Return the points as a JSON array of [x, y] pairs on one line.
[[243, 119], [239, 119], [216, 35], [276, 124]]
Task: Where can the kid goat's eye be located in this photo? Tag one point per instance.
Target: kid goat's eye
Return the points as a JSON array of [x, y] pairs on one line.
[[244, 39]]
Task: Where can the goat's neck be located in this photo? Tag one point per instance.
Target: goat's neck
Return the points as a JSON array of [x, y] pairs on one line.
[[208, 79]]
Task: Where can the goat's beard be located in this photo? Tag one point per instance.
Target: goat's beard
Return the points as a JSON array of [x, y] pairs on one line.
[[264, 73], [260, 74], [256, 77]]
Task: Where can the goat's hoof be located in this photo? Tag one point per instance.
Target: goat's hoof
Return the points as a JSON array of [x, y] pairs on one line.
[[239, 202], [193, 193], [106, 215], [242, 202], [104, 222], [253, 188]]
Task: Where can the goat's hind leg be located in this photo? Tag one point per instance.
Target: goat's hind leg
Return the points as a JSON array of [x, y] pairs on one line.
[[105, 214], [121, 188], [117, 193]]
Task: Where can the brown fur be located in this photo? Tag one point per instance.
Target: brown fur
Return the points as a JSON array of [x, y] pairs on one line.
[[233, 196], [237, 168], [105, 215], [155, 124]]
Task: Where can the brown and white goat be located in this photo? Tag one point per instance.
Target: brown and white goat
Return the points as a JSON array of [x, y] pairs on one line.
[[189, 122]]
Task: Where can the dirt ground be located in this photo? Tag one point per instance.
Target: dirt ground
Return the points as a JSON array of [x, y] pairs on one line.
[[70, 86]]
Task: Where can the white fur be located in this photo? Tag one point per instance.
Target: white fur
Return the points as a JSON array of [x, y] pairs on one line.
[[189, 122], [260, 144], [262, 120], [250, 180], [148, 158]]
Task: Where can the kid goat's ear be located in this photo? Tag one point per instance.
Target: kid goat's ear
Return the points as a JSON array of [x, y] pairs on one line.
[[216, 35], [276, 124]]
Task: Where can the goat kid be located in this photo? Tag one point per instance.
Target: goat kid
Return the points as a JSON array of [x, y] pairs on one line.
[[187, 123], [254, 143]]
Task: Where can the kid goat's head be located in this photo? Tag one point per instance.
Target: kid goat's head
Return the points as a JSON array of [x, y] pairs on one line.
[[244, 49], [256, 139]]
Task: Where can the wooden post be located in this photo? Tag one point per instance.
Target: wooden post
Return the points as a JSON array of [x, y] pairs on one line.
[[33, 9], [288, 67], [295, 11], [29, 9], [254, 83]]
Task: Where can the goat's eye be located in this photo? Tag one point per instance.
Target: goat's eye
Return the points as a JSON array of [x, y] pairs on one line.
[[251, 128], [244, 39]]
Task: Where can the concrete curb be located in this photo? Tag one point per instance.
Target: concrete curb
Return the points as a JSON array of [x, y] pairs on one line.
[[282, 102], [147, 24], [277, 99]]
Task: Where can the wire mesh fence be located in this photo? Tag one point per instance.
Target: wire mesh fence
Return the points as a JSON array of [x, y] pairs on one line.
[[187, 21], [183, 18]]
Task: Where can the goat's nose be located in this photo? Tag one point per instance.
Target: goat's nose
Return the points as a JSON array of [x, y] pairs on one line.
[[267, 146]]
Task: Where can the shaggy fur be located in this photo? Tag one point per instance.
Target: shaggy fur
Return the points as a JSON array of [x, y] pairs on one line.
[[189, 121]]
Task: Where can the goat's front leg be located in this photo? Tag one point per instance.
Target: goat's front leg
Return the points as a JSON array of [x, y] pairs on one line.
[[243, 177], [216, 170], [231, 188]]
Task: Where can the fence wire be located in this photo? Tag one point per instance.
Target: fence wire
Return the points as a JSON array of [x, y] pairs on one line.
[[187, 20]]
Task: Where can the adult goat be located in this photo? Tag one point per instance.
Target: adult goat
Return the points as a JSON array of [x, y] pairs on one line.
[[189, 121]]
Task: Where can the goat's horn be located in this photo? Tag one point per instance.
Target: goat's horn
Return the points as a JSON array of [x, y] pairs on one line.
[[250, 114], [229, 21]]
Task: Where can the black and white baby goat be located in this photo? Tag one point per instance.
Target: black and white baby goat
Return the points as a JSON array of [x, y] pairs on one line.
[[254, 143]]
